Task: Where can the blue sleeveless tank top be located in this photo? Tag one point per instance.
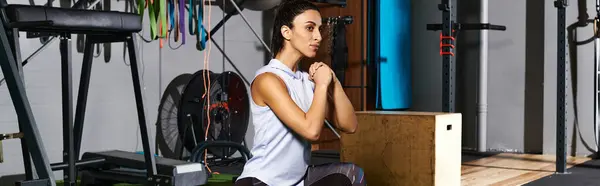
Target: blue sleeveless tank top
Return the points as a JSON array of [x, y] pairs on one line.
[[280, 156]]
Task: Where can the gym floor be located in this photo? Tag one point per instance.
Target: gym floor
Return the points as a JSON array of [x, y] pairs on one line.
[[478, 169], [512, 169], [526, 169]]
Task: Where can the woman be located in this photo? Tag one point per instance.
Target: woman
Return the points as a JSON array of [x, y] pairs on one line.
[[289, 107]]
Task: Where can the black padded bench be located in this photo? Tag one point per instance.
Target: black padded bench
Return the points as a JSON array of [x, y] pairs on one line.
[[67, 20], [99, 27]]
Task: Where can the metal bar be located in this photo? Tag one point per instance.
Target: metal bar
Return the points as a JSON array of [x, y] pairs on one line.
[[483, 82], [250, 26], [84, 85], [26, 155], [15, 46], [332, 129], [148, 155], [597, 9], [377, 52], [62, 165], [596, 81], [221, 23], [230, 62], [36, 182], [448, 62], [362, 55], [596, 90], [160, 61], [67, 109], [20, 101], [36, 52], [341, 3], [562, 80], [481, 26]]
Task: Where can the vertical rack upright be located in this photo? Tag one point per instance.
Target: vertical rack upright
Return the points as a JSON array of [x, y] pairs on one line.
[[562, 87]]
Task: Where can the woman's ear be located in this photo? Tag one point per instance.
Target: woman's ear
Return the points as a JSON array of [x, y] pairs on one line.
[[286, 32]]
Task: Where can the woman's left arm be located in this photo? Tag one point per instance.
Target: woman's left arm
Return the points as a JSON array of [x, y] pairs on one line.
[[341, 109]]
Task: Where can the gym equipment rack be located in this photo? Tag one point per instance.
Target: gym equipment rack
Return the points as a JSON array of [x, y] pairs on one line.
[[447, 48], [562, 87], [449, 28]]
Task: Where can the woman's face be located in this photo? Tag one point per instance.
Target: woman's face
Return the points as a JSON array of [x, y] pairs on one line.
[[305, 36]]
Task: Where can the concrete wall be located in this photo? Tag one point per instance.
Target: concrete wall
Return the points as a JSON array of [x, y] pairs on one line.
[[111, 120], [521, 79]]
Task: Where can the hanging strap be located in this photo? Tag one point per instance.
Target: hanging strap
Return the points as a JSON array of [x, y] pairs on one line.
[[182, 11], [201, 35], [171, 4], [163, 17], [162, 22], [142, 5], [173, 26], [195, 20], [191, 14]]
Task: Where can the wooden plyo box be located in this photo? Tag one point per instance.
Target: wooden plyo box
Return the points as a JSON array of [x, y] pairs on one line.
[[406, 148]]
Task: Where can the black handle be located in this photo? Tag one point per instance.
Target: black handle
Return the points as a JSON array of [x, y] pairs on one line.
[[197, 152], [341, 3], [480, 26], [497, 27], [469, 26], [434, 27]]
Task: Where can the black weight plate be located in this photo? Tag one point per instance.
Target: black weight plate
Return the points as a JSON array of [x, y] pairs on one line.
[[189, 116], [167, 133]]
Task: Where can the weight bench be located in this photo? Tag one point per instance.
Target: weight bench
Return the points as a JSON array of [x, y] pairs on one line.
[[99, 27]]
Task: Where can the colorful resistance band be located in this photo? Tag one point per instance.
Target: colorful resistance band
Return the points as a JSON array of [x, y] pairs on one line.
[[182, 20]]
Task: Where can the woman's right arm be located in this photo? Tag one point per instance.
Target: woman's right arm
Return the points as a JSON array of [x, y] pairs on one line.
[[271, 91]]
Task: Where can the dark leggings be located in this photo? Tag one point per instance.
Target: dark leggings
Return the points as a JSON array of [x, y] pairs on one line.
[[323, 175]]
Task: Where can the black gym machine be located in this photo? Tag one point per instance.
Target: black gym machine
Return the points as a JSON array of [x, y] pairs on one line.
[[116, 166]]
